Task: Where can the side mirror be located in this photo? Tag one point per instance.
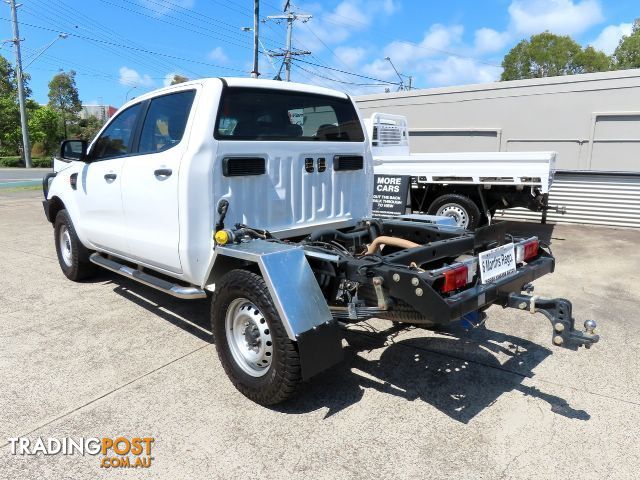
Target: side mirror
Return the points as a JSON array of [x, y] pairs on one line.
[[74, 150]]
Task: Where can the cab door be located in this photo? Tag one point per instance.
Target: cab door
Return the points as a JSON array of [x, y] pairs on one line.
[[100, 183], [150, 182]]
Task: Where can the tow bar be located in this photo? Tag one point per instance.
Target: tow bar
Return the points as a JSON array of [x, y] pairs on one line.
[[558, 311]]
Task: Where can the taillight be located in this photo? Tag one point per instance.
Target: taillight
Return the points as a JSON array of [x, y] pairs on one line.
[[531, 249], [455, 278], [527, 249]]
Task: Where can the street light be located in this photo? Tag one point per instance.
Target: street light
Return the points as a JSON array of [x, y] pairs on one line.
[[126, 98], [401, 87], [60, 36], [264, 49]]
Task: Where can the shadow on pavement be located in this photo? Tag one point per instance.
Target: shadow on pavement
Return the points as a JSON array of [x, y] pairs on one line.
[[460, 372]]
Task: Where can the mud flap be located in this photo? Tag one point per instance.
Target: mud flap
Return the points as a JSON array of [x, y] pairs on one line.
[[320, 348]]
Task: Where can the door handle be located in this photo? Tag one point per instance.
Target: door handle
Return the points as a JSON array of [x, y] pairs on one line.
[[163, 172], [110, 176]]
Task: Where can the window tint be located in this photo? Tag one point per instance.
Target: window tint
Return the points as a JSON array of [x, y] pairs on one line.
[[165, 121], [116, 139], [262, 114]]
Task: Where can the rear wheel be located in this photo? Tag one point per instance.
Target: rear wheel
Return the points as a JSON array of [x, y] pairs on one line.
[[252, 344], [462, 209], [72, 255]]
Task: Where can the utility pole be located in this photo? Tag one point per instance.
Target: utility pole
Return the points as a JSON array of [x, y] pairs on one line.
[[23, 110], [256, 37], [290, 16]]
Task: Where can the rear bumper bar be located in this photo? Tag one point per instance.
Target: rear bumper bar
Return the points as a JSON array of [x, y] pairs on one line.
[[416, 289]]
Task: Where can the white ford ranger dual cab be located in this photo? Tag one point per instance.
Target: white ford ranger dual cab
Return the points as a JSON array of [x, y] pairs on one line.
[[257, 194], [466, 186]]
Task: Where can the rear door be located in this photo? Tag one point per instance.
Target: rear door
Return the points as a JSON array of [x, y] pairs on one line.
[[150, 181], [100, 183]]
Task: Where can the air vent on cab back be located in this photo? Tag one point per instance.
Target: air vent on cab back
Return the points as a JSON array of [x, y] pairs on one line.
[[348, 162], [243, 166]]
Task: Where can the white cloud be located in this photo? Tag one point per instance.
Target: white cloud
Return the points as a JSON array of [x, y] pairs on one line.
[[131, 78], [218, 55], [457, 71], [351, 56], [610, 36], [567, 17], [390, 6], [488, 40], [436, 40]]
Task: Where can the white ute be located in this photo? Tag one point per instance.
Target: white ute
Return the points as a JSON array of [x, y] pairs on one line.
[[257, 195], [466, 186]]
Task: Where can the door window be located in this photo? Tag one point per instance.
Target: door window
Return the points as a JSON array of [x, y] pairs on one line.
[[116, 139], [165, 122]]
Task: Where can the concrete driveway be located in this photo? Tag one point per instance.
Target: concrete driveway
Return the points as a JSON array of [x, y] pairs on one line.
[[109, 357]]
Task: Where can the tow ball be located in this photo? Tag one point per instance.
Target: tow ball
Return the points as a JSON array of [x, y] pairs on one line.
[[558, 311]]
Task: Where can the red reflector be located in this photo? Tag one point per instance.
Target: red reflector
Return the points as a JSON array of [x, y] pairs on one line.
[[455, 278], [531, 249]]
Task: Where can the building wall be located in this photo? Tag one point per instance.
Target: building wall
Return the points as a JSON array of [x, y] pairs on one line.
[[592, 121]]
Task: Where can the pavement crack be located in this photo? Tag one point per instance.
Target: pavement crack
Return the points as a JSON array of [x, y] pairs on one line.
[[80, 407]]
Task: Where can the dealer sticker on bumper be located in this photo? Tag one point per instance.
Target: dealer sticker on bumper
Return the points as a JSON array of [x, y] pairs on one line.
[[497, 263]]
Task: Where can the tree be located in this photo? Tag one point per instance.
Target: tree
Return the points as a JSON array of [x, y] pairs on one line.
[[627, 54], [10, 127], [87, 128], [178, 79], [549, 55], [44, 128], [63, 97]]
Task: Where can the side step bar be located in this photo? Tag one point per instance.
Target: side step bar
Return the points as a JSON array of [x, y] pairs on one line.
[[188, 293]]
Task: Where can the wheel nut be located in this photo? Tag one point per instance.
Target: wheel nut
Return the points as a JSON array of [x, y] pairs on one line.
[[419, 292], [396, 277], [522, 305], [558, 340], [415, 282], [559, 327]]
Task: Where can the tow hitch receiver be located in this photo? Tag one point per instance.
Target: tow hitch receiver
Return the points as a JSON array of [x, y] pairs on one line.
[[558, 311]]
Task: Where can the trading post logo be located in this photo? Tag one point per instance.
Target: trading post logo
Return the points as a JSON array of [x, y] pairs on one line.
[[119, 452]]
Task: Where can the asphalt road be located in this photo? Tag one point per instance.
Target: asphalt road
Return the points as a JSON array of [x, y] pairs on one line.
[[109, 357], [21, 177]]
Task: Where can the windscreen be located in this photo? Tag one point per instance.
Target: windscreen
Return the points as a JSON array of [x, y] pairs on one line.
[[262, 114]]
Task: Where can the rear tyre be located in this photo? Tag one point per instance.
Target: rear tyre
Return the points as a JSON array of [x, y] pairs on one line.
[[459, 207], [252, 344], [73, 256]]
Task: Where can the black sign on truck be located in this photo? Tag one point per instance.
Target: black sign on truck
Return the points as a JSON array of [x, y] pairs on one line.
[[390, 194]]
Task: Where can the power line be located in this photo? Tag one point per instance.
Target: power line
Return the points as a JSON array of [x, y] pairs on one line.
[[343, 81], [129, 47], [349, 73], [62, 11]]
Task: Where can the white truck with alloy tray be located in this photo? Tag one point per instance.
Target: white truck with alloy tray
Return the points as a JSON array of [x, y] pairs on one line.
[[466, 186], [256, 194]]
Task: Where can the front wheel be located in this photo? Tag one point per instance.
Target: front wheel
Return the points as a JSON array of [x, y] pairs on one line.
[[459, 207], [73, 256], [252, 344]]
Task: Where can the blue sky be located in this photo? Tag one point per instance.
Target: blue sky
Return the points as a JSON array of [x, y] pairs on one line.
[[122, 48]]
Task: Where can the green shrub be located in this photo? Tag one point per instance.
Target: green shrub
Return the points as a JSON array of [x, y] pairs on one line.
[[41, 162], [10, 162]]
